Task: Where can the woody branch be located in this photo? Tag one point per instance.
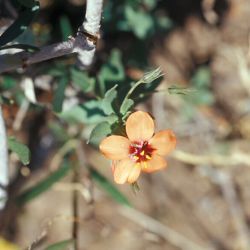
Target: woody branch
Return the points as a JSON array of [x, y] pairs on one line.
[[83, 44]]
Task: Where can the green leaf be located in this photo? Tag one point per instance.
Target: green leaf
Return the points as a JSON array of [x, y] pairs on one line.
[[109, 187], [20, 149], [19, 25], [43, 185], [8, 82], [25, 47], [59, 132], [65, 27], [164, 22], [127, 104], [62, 245], [146, 82], [100, 131], [27, 3], [89, 113], [113, 70], [179, 90], [59, 95], [150, 3], [140, 22], [5, 100], [201, 97], [202, 77], [107, 101], [82, 80], [152, 75]]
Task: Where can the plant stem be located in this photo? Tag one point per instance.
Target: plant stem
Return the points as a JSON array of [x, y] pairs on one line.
[[75, 209], [132, 89]]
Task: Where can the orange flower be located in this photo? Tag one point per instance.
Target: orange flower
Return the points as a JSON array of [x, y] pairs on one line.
[[141, 151]]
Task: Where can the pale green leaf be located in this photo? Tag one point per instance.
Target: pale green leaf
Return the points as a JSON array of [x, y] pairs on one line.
[[20, 149], [99, 132], [62, 245]]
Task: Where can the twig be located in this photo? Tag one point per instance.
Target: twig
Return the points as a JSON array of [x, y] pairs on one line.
[[209, 12], [235, 210], [75, 227], [67, 147], [4, 179], [84, 44], [79, 187], [38, 240], [225, 182], [90, 28], [86, 181], [175, 238], [217, 160], [243, 69], [21, 115]]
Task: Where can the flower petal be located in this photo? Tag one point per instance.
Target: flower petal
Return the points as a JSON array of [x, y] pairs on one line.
[[134, 173], [156, 163], [123, 170], [139, 126], [164, 141], [115, 147]]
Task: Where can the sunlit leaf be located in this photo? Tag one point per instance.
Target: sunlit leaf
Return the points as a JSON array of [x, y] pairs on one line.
[[29, 89], [127, 104], [20, 149], [107, 102], [90, 112], [113, 70], [135, 17]]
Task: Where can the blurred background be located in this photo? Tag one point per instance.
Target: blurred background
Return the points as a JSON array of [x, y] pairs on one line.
[[202, 200]]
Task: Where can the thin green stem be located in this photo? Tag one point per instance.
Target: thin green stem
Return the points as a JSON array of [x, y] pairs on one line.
[[132, 89]]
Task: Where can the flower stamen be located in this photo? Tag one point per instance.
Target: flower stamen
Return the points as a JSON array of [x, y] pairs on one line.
[[141, 151]]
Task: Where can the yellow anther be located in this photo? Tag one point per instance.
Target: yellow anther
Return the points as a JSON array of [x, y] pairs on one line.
[[142, 152], [135, 158], [145, 165], [148, 157]]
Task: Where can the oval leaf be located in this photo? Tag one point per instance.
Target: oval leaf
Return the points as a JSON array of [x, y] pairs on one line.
[[99, 132]]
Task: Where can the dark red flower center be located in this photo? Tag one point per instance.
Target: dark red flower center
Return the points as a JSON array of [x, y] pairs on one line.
[[141, 151]]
